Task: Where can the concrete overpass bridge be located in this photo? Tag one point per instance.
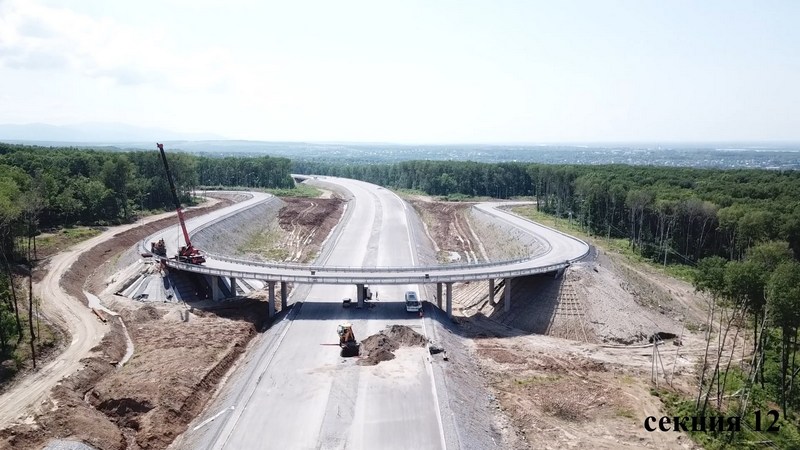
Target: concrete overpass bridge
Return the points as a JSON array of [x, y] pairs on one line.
[[558, 252], [303, 390]]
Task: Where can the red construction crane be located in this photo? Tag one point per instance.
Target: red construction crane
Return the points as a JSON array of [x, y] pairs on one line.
[[186, 253]]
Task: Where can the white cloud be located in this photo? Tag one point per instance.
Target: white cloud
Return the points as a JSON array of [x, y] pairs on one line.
[[35, 37]]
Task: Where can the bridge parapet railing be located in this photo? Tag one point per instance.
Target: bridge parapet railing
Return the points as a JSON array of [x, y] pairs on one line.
[[279, 265], [355, 279]]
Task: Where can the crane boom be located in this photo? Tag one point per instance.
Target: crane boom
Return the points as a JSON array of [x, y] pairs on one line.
[[187, 253]]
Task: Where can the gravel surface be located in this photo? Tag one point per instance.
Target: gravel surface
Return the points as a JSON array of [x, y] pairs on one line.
[[225, 236], [501, 240], [470, 414]]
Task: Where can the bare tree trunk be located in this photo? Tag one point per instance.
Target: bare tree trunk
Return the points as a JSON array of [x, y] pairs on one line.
[[633, 228], [702, 240], [763, 352], [705, 355], [755, 333], [641, 227], [666, 249], [792, 371], [721, 337], [30, 303], [784, 364], [721, 392], [14, 296]]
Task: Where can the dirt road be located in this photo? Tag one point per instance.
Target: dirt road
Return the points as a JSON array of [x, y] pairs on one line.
[[70, 314]]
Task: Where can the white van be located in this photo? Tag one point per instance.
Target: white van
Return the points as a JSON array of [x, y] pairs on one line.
[[412, 302]]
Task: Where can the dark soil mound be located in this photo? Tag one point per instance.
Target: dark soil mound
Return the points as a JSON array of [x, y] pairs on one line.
[[380, 347], [147, 313], [405, 336]]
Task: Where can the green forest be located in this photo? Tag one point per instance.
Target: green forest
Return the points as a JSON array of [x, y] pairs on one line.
[[738, 229], [51, 188], [681, 214]]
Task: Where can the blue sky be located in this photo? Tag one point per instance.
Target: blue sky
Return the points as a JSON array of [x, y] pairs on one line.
[[410, 71]]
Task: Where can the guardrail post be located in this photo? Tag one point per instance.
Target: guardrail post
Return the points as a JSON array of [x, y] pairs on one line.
[[271, 301], [283, 296], [233, 287], [507, 306], [491, 291], [450, 300], [439, 295]]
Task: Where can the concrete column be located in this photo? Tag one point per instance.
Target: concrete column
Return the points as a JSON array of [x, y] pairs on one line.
[[360, 295], [216, 292], [283, 296], [233, 287], [507, 306], [491, 291], [450, 300], [271, 303], [439, 295]]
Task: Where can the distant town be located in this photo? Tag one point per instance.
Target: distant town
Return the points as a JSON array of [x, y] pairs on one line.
[[711, 155]]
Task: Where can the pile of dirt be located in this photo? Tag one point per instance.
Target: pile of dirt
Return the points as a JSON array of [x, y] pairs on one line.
[[308, 212], [551, 393], [66, 414], [293, 233], [450, 231], [173, 372], [381, 346], [147, 313], [308, 223]]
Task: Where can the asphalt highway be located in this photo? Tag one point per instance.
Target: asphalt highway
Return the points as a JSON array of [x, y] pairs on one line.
[[295, 391]]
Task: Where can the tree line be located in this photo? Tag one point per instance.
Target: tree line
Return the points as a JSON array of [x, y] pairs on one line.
[[48, 188], [670, 214]]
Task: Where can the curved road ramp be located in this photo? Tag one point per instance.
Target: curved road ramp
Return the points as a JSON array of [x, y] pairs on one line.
[[294, 390]]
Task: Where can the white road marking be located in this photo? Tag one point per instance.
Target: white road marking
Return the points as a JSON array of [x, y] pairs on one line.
[[211, 419], [428, 364]]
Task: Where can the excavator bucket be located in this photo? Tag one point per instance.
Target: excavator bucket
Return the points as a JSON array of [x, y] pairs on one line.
[[350, 349]]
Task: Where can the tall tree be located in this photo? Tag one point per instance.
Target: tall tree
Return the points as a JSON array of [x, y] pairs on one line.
[[33, 205], [709, 278], [783, 295]]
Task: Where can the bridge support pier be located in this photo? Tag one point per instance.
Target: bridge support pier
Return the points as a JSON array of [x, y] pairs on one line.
[[439, 295], [507, 302], [216, 292], [271, 301], [233, 287], [283, 296], [491, 291], [360, 295], [450, 300]]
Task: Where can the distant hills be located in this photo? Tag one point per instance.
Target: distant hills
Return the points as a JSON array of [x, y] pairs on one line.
[[94, 133], [108, 136]]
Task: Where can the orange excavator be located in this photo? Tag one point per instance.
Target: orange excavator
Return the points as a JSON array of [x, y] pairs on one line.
[[187, 253]]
